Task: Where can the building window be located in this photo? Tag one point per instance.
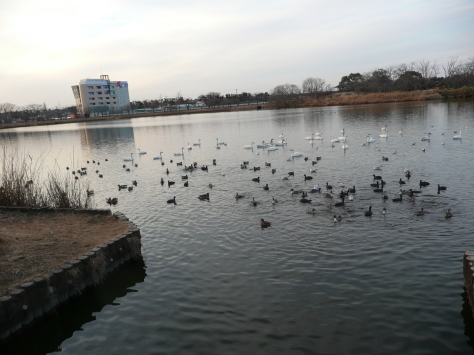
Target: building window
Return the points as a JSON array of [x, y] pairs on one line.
[[91, 98], [107, 98], [108, 103], [90, 87], [106, 86], [115, 102], [90, 93], [92, 104], [113, 97], [98, 86], [107, 92], [99, 92], [113, 92], [99, 98], [101, 103]]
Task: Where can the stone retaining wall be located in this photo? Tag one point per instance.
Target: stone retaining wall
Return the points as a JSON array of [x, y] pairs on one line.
[[37, 298], [468, 271]]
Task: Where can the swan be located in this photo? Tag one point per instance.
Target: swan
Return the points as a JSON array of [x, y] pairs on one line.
[[156, 157], [248, 146], [345, 146], [384, 135], [269, 149], [318, 136], [309, 138], [400, 132], [335, 140], [197, 143], [370, 139], [220, 142], [281, 136], [296, 154], [351, 197], [458, 136], [179, 153], [129, 159], [427, 138], [189, 146], [141, 152]]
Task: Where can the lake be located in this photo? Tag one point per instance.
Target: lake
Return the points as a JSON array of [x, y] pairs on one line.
[[214, 282]]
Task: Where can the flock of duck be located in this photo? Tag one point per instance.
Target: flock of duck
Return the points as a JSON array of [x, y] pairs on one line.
[[378, 184]]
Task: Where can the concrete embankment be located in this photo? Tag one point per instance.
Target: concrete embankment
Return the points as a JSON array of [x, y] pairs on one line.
[[33, 300]]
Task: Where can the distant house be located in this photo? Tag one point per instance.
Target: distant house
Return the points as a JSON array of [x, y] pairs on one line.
[[441, 86]]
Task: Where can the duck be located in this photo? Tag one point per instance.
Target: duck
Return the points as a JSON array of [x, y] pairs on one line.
[[274, 171], [170, 183], [424, 183], [312, 170], [379, 190], [172, 200], [352, 190], [377, 177], [266, 188], [401, 182], [369, 212], [441, 188], [316, 188], [141, 152], [350, 197], [421, 212], [339, 204], [307, 177], [274, 200], [399, 198], [377, 185], [448, 214], [204, 197], [257, 179], [327, 195], [264, 223], [383, 211], [184, 177], [294, 192], [385, 158], [328, 187], [255, 168], [186, 184], [311, 211], [254, 203], [190, 147], [237, 195], [426, 138], [162, 181], [305, 200], [291, 173]]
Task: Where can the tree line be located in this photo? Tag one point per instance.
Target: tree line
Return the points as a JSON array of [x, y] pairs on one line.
[[421, 75]]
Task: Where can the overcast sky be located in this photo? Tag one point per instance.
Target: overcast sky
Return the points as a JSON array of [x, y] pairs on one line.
[[193, 47]]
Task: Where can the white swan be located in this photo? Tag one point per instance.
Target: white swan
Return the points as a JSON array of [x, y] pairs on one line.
[[400, 132], [345, 146], [426, 138], [129, 159], [248, 146], [220, 142], [296, 154], [318, 136], [310, 137], [370, 139], [384, 135], [271, 148], [197, 143], [141, 152], [281, 136], [335, 140], [458, 136], [179, 153], [158, 156], [312, 170]]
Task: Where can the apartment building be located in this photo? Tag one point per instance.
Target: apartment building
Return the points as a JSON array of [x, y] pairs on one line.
[[99, 97]]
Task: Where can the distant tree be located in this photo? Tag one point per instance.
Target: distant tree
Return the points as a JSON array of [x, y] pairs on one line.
[[351, 82], [286, 95], [313, 86], [6, 110], [409, 81]]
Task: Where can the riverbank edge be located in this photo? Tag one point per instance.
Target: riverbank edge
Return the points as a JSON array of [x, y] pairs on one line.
[[34, 300], [468, 271]]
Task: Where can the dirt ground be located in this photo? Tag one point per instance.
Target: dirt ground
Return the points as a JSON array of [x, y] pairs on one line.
[[33, 244]]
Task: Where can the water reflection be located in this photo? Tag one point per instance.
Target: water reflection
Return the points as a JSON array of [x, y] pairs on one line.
[[48, 335]]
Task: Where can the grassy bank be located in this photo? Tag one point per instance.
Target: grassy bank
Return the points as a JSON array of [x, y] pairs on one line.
[[24, 182]]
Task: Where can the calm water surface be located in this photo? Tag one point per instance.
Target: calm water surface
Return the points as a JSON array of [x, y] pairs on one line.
[[214, 282]]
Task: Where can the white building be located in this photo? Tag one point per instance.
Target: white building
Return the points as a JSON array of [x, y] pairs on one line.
[[99, 97]]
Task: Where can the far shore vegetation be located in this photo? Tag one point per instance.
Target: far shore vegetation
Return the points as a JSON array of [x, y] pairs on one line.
[[415, 81]]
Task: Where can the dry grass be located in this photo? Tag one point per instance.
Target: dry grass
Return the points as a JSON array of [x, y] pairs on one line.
[[351, 98], [33, 244]]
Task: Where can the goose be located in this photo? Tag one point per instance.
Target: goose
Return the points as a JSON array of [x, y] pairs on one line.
[[204, 168], [237, 195], [307, 177], [266, 188], [421, 212], [257, 179], [248, 146], [369, 212], [162, 181], [458, 136], [172, 200], [181, 153], [129, 159], [305, 200], [158, 157], [264, 223], [197, 143], [339, 204], [204, 197], [141, 152], [448, 214]]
